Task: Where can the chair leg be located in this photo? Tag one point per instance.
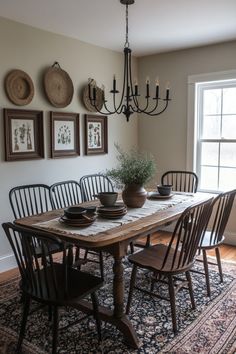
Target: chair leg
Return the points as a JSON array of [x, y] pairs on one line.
[[190, 287], [148, 241], [206, 272], [55, 330], [70, 256], [77, 256], [96, 315], [85, 254], [101, 264], [217, 251], [172, 302], [26, 307], [50, 313], [131, 247], [131, 288], [22, 298]]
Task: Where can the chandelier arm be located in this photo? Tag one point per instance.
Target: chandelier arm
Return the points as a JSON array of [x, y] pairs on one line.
[[108, 110], [116, 110], [131, 84], [93, 103], [135, 100], [120, 106], [150, 113], [145, 109], [100, 111]]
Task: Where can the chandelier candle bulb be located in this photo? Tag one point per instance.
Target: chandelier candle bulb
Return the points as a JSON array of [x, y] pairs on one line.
[[167, 90], [157, 88], [136, 88], [94, 93], [114, 83], [90, 96], [103, 93], [167, 94], [147, 88]]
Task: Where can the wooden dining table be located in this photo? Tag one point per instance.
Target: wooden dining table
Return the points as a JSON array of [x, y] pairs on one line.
[[115, 241]]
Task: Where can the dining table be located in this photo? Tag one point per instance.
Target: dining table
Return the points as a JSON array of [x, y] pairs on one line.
[[114, 236]]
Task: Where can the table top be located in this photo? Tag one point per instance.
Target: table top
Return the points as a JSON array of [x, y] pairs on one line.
[[125, 231]]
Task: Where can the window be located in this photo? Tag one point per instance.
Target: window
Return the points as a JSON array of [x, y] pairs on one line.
[[215, 136]]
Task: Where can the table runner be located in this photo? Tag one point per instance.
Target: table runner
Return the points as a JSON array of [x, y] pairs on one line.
[[150, 207]]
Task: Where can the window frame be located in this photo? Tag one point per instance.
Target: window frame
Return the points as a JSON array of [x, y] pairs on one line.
[[196, 86]]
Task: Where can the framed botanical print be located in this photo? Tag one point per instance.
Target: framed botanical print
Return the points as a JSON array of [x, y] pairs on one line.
[[65, 134], [95, 134], [23, 134]]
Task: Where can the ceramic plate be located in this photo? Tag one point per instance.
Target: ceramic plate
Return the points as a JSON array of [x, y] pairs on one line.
[[77, 222], [156, 195]]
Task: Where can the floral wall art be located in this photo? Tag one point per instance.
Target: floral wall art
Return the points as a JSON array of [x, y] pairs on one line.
[[95, 134], [23, 134], [65, 134]]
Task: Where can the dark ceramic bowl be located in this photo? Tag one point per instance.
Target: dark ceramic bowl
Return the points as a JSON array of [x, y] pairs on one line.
[[90, 210], [164, 189], [107, 198], [74, 212]]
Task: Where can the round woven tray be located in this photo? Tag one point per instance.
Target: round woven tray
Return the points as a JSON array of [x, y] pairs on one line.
[[58, 87], [99, 99], [19, 87]]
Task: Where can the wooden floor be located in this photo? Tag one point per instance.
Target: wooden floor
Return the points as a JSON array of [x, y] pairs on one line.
[[228, 253]]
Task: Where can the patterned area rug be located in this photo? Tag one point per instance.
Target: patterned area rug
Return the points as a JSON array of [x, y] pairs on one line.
[[211, 328]]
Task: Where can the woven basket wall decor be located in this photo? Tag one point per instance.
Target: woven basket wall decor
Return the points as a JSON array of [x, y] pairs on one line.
[[99, 98], [58, 86], [19, 87]]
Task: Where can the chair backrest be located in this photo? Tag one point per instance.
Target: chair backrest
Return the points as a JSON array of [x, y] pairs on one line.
[[27, 200], [93, 184], [40, 276], [221, 210], [182, 181], [65, 193], [182, 248]]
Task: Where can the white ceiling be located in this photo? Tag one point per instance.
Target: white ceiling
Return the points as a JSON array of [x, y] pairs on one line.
[[154, 25]]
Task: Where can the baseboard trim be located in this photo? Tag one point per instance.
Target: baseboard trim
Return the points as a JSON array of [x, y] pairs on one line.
[[7, 262]]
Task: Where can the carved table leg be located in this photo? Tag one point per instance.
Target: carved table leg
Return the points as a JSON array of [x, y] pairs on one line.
[[121, 321], [118, 287], [117, 317]]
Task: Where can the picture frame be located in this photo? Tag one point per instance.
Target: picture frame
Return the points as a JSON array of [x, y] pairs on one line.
[[23, 131], [96, 141], [65, 134]]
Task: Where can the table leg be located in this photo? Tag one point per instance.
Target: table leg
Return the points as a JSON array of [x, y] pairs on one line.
[[117, 317], [120, 319]]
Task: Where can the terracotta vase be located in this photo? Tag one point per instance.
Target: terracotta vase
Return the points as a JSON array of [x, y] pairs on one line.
[[134, 195]]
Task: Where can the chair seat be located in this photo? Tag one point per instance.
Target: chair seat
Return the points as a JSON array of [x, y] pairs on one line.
[[208, 243], [80, 284], [54, 248], [152, 258]]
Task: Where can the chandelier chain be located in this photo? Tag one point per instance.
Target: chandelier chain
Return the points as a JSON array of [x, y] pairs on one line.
[[127, 27]]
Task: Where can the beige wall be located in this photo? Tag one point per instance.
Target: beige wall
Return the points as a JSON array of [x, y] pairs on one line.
[[165, 136], [33, 50]]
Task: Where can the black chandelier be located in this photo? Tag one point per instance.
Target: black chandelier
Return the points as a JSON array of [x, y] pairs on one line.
[[129, 101]]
